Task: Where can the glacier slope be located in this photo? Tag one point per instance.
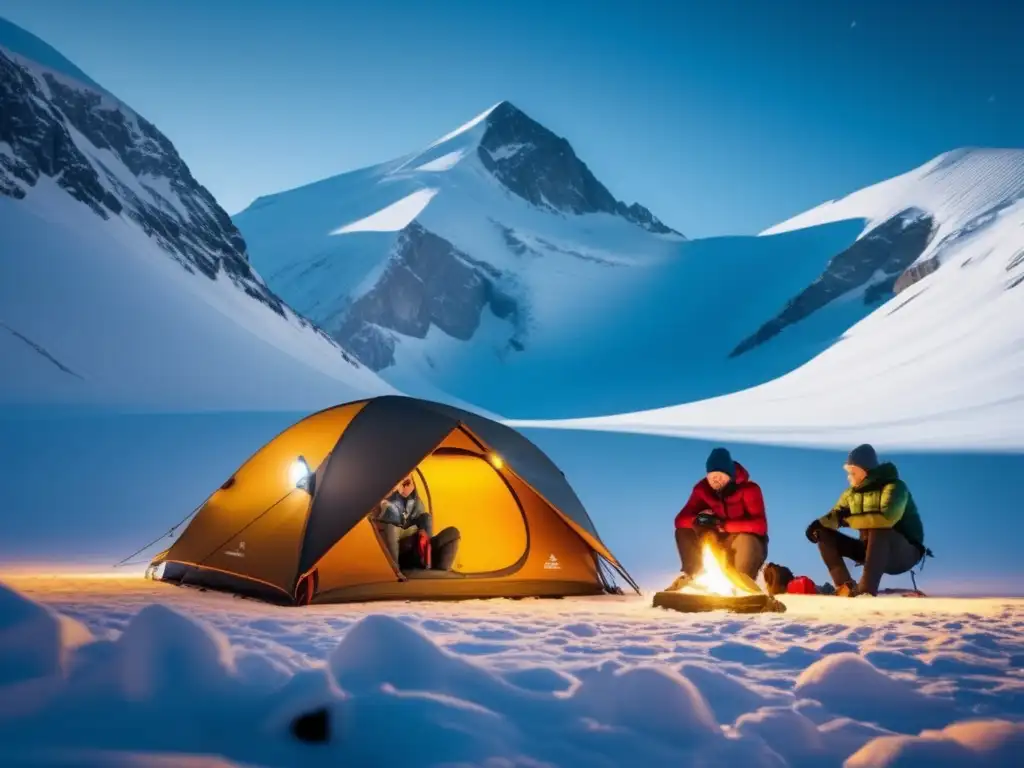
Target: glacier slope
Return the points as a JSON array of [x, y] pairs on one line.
[[939, 366]]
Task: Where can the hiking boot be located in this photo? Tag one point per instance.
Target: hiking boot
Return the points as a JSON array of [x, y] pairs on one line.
[[849, 589], [678, 582]]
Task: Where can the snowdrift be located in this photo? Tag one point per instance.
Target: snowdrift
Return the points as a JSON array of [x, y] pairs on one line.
[[156, 682]]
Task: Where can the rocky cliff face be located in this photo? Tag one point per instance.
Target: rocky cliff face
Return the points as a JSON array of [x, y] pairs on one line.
[[427, 282], [118, 164], [876, 264], [543, 169]]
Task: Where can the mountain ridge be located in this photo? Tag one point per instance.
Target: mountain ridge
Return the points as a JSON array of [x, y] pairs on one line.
[[89, 187]]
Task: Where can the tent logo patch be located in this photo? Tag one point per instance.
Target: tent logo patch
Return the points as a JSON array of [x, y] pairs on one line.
[[552, 564], [239, 551]]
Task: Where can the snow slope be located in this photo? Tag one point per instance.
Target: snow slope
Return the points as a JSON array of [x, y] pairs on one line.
[[963, 190], [122, 283], [96, 671], [491, 286], [938, 366]]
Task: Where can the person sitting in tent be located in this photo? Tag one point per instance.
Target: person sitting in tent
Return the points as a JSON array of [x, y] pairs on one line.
[[880, 507], [728, 505], [408, 531]]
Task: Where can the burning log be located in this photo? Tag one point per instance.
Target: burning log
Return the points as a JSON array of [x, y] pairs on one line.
[[717, 586]]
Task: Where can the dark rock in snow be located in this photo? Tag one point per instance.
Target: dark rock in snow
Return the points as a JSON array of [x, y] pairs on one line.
[[428, 282], [313, 727], [543, 169], [875, 262]]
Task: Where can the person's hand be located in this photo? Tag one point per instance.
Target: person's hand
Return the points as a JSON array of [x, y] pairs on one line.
[[705, 521], [813, 531], [843, 517]]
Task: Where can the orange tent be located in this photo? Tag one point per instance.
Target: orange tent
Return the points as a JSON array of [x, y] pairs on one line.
[[524, 532]]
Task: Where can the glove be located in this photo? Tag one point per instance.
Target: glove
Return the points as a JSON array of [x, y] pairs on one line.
[[706, 521], [813, 530], [390, 513], [843, 516]]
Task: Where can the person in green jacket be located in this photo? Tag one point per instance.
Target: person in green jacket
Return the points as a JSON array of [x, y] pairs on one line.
[[879, 506]]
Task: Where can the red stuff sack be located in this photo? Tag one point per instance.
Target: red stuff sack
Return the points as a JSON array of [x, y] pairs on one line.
[[801, 585]]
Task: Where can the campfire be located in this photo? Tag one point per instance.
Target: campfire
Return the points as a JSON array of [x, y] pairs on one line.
[[717, 586]]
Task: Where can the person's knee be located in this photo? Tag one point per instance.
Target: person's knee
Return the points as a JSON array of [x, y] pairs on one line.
[[749, 550], [449, 535]]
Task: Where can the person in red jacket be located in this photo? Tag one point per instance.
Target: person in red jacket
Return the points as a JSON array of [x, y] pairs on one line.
[[728, 505]]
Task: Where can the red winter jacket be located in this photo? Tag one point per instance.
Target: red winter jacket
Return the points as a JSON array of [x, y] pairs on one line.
[[742, 510]]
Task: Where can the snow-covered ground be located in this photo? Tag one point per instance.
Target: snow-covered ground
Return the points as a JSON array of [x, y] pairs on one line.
[[94, 669]]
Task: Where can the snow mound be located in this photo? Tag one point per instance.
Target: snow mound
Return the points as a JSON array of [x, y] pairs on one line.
[[989, 743], [365, 658], [394, 217], [848, 684], [649, 700], [728, 696], [381, 669], [165, 653], [35, 642]]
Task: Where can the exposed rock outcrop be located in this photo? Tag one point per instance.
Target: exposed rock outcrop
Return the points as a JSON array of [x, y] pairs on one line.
[[875, 263], [542, 168], [428, 282]]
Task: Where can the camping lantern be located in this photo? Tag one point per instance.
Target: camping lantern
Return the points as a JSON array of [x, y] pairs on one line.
[[496, 461], [301, 475]]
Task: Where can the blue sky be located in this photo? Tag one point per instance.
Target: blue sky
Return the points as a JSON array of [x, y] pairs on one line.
[[722, 117]]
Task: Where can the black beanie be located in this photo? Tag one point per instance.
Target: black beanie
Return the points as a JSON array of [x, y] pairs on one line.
[[863, 456], [721, 461]]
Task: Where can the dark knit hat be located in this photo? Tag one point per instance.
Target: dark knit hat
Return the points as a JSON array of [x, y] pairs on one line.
[[863, 456], [720, 461]]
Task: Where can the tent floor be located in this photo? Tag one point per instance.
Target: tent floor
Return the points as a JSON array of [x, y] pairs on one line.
[[419, 573]]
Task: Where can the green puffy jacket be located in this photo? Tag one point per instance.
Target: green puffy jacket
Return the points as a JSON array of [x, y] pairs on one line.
[[882, 500]]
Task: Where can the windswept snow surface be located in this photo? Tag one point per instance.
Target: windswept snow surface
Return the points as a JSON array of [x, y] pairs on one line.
[[965, 188], [97, 670], [394, 217], [939, 366], [93, 312], [617, 315]]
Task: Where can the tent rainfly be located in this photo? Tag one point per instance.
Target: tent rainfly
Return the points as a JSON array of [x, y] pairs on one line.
[[293, 525]]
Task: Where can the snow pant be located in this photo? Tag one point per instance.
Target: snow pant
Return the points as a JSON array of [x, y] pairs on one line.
[[443, 547], [879, 550], [746, 551]]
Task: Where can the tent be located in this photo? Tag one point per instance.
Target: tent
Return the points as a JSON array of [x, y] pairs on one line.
[[308, 537]]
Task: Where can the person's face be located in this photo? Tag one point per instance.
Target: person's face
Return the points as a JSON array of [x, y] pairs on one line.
[[718, 480], [855, 475], [407, 486]]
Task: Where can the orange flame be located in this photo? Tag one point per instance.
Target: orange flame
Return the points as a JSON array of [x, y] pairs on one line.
[[717, 578]]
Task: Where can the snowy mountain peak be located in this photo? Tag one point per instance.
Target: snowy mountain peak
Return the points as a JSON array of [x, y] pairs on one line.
[[542, 168], [23, 43]]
